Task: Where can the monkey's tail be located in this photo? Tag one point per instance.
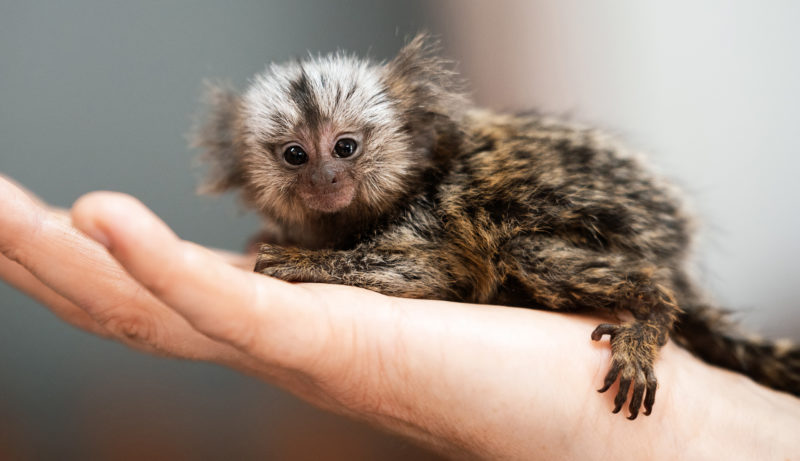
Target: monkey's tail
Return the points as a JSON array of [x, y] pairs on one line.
[[706, 332]]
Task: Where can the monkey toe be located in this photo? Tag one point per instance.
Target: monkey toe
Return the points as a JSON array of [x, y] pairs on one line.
[[604, 329], [622, 394], [631, 375], [611, 377], [652, 385], [637, 397]]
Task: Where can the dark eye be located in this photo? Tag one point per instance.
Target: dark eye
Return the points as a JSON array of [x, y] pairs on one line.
[[345, 147], [295, 155]]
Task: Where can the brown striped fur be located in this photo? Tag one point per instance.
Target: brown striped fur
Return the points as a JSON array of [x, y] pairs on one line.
[[457, 203]]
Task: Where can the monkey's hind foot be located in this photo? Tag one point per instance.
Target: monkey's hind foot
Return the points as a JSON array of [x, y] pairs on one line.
[[633, 351]]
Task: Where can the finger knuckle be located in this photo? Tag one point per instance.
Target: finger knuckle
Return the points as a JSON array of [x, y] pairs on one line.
[[131, 327], [14, 253]]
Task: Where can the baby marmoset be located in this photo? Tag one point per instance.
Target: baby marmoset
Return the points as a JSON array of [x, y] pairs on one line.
[[384, 176]]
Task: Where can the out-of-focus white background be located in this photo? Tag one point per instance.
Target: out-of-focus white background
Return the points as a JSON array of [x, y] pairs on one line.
[[710, 90], [98, 94]]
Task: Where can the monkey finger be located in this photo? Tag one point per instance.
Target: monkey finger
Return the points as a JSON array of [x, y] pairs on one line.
[[267, 318]]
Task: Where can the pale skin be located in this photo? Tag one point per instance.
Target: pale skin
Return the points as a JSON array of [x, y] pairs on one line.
[[469, 381]]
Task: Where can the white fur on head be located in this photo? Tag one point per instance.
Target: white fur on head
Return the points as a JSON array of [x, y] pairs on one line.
[[296, 102], [401, 110]]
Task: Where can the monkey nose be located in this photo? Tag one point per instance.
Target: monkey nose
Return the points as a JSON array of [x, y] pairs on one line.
[[323, 176]]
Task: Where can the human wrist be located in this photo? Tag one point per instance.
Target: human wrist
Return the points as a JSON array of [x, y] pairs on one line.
[[745, 420]]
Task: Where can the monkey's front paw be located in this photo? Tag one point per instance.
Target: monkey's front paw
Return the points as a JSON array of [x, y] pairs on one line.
[[276, 261], [632, 357], [288, 264], [269, 258]]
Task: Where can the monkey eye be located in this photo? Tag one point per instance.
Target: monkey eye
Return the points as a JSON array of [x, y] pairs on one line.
[[295, 155], [345, 147]]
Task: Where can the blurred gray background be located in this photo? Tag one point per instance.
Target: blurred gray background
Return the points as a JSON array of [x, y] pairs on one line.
[[99, 95]]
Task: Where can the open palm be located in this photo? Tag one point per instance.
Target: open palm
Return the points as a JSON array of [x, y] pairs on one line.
[[467, 380]]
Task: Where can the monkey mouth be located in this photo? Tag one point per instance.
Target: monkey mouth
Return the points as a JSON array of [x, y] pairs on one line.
[[329, 199]]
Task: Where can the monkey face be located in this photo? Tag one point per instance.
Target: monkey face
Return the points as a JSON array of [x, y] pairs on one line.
[[325, 168], [325, 137], [332, 138]]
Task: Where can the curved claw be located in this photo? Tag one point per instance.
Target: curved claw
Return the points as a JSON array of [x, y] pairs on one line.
[[650, 399], [611, 376], [604, 329], [637, 397], [622, 394]]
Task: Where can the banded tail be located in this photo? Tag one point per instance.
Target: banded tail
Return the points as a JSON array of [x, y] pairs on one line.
[[707, 333]]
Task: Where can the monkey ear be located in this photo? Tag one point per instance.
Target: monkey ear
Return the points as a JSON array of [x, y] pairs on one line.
[[216, 132], [423, 82]]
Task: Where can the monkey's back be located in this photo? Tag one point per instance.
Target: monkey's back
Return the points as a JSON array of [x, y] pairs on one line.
[[522, 178]]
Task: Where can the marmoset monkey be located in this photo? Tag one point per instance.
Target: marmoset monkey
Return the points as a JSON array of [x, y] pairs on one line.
[[384, 176]]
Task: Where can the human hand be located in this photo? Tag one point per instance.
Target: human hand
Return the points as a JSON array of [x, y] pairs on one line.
[[469, 381]]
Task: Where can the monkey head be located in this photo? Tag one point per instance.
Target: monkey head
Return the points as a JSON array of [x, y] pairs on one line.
[[332, 138]]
